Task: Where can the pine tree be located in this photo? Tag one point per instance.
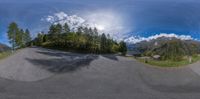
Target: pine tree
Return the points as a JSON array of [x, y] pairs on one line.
[[95, 31], [91, 33], [86, 31], [54, 32], [103, 43], [20, 38], [40, 39], [27, 36], [58, 28], [12, 31], [122, 47], [80, 30], [51, 32], [66, 28], [45, 38], [84, 40]]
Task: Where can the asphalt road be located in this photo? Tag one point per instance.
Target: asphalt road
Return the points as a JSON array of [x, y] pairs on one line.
[[37, 73]]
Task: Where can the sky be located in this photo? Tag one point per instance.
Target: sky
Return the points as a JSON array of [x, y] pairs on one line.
[[119, 18]]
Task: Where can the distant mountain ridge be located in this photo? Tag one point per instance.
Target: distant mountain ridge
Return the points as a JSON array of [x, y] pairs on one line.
[[158, 45], [4, 47], [137, 39], [144, 45]]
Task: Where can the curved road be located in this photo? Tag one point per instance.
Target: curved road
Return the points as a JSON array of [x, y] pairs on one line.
[[37, 73]]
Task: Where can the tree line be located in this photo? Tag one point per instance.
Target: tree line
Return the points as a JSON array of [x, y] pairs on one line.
[[18, 37], [82, 40]]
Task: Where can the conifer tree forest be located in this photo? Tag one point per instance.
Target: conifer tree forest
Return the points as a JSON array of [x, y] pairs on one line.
[[86, 40], [18, 37]]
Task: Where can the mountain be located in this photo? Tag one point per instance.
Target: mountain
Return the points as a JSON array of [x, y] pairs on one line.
[[4, 47], [137, 39], [166, 47]]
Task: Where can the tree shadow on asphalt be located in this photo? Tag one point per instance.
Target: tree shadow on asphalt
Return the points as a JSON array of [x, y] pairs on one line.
[[59, 54], [111, 57], [63, 63]]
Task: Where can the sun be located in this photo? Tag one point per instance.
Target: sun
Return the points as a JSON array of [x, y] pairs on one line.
[[100, 27], [106, 21]]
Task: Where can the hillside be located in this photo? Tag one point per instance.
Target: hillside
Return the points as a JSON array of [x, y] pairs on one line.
[[167, 48]]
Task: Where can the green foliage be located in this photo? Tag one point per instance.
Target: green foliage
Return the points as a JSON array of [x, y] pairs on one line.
[[173, 50], [170, 63], [103, 43], [55, 31], [4, 54], [40, 39], [84, 40], [27, 36], [66, 28], [12, 31], [122, 48], [18, 37]]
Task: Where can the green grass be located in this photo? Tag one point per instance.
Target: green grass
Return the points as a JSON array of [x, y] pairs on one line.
[[5, 54], [169, 63]]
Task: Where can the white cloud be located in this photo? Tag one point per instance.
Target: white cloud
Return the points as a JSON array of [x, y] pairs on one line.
[[137, 39], [73, 21], [111, 21], [105, 21]]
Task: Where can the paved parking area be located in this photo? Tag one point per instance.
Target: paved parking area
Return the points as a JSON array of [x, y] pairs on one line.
[[37, 73]]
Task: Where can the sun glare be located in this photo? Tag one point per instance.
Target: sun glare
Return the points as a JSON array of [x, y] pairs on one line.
[[100, 27], [106, 21]]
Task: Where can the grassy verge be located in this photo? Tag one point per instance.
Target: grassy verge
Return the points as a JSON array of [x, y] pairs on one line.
[[5, 54], [169, 63]]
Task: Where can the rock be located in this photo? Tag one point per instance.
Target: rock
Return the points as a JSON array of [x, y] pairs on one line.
[[156, 57]]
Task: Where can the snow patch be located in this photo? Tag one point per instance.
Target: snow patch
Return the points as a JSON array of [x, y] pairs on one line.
[[137, 39]]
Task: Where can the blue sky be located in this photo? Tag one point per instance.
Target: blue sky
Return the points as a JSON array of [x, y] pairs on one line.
[[140, 17]]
